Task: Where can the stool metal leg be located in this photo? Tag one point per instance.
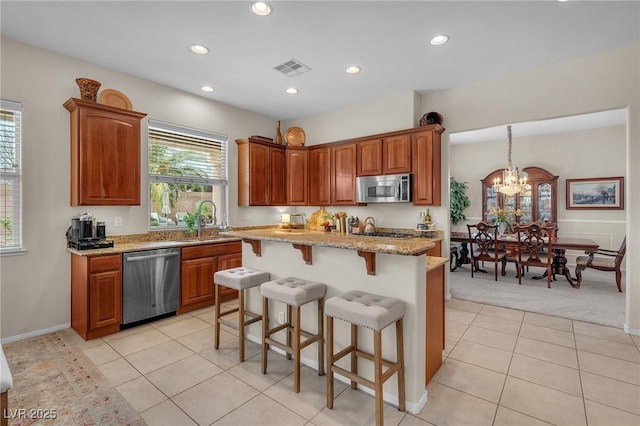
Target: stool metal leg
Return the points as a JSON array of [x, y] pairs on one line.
[[296, 350], [330, 362], [400, 359], [265, 327], [216, 326], [377, 366], [241, 323]]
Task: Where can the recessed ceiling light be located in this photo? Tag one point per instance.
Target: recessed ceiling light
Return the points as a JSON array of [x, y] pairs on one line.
[[439, 39], [261, 8], [207, 89], [353, 70], [562, 1], [199, 49], [292, 91]]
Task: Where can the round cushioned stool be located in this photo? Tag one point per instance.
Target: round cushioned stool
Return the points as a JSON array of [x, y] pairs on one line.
[[368, 310], [240, 279], [294, 292]]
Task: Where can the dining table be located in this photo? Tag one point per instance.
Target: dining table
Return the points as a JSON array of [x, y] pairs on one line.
[[559, 247]]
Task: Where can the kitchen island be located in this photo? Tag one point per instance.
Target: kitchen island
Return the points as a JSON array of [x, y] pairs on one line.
[[395, 267]]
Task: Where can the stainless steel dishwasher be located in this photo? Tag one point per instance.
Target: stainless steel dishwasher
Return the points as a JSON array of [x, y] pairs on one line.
[[151, 284]]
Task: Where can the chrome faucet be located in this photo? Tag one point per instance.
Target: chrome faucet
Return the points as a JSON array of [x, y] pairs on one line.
[[200, 219]]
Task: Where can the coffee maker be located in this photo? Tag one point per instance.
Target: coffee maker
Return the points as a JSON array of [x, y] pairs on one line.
[[82, 234]]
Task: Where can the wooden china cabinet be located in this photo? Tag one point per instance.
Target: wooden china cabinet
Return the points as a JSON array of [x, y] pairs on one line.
[[539, 201]]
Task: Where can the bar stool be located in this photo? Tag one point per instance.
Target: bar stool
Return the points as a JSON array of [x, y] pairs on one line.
[[240, 279], [362, 309], [294, 292]]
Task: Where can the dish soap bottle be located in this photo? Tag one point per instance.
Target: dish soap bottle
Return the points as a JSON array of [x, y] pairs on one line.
[[427, 217]]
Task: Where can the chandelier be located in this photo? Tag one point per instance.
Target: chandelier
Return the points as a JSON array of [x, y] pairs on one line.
[[513, 180]]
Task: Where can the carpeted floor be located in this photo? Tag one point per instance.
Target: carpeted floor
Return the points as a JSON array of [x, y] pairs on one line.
[[597, 300], [55, 383]]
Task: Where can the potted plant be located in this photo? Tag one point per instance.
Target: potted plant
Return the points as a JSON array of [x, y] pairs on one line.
[[458, 200], [191, 220]]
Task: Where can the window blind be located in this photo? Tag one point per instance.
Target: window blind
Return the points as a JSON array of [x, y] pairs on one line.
[[10, 176], [188, 154]]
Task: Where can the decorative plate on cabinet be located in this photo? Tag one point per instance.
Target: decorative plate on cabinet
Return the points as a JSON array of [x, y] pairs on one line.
[[115, 98], [295, 136]]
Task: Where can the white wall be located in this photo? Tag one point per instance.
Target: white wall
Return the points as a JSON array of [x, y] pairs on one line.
[[595, 83], [35, 290]]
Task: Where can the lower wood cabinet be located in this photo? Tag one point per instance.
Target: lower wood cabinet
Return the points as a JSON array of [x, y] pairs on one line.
[[199, 263], [96, 295], [435, 321]]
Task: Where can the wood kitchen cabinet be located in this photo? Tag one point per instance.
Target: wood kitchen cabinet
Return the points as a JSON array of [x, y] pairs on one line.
[[105, 154], [199, 263], [384, 156], [396, 154], [297, 166], [435, 324], [369, 157], [343, 175], [320, 176], [426, 167], [96, 295], [261, 174]]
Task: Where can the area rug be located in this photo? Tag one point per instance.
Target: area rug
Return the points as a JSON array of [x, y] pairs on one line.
[[55, 383], [596, 301]]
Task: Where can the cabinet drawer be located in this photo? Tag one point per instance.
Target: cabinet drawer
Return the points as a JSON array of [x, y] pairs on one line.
[[208, 250], [104, 263]]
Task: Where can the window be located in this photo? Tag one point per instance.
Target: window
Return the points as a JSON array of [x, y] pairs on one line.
[[10, 177], [186, 167]]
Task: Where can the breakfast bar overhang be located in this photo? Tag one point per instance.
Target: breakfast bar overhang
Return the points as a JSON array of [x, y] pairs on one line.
[[400, 271]]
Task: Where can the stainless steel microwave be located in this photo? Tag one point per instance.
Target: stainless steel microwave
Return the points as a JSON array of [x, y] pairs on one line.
[[383, 189]]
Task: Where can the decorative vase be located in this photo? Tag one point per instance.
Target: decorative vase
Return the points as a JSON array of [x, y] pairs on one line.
[[278, 135], [502, 228], [88, 89]]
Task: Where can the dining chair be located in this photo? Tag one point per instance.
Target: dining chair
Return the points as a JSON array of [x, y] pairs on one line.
[[482, 243], [610, 262], [534, 248]]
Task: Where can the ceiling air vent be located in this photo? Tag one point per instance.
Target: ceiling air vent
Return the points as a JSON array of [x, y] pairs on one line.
[[292, 68]]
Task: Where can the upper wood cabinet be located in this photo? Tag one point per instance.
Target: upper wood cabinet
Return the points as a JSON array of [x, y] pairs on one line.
[[427, 168], [261, 174], [343, 175], [369, 157], [396, 154], [297, 176], [105, 154], [390, 155], [539, 201], [320, 176]]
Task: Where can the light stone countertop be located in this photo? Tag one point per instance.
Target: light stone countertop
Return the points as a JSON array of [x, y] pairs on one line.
[[129, 246], [402, 246], [434, 262]]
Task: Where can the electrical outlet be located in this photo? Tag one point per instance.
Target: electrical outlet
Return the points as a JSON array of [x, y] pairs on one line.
[[281, 317], [117, 221]]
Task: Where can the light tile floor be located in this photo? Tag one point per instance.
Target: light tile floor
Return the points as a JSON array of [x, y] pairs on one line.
[[501, 367]]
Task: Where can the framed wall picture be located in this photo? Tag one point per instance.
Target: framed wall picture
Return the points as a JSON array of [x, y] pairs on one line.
[[596, 193]]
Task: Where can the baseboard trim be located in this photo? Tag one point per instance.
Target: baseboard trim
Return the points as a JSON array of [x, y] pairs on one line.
[[634, 331], [36, 333]]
